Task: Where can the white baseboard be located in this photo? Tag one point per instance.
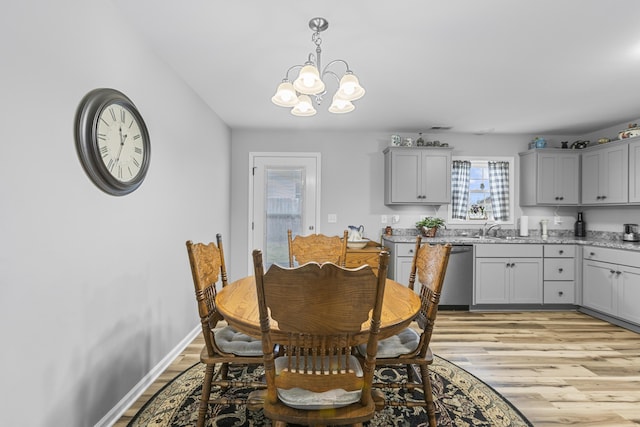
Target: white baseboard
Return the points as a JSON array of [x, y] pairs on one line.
[[117, 411]]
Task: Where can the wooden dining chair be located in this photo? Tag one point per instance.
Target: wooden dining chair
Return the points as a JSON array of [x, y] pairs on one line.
[[223, 345], [320, 310], [409, 347], [317, 248]]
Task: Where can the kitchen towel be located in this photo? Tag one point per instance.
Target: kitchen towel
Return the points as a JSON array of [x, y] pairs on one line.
[[524, 225]]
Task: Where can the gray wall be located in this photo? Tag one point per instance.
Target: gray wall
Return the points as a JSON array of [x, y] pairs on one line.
[[94, 290], [353, 178]]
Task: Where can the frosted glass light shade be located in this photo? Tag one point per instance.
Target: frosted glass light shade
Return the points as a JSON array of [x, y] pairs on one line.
[[304, 107], [341, 106], [285, 95], [350, 88], [308, 81]]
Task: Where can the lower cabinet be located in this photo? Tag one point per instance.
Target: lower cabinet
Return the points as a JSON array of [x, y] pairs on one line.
[[559, 274], [508, 274], [609, 285], [400, 262]]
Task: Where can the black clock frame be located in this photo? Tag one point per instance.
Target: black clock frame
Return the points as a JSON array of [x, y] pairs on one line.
[[86, 136]]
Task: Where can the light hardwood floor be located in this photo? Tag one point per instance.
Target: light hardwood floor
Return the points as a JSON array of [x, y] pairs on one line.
[[557, 368]]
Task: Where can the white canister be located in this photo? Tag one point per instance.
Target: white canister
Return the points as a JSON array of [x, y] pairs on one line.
[[524, 226]]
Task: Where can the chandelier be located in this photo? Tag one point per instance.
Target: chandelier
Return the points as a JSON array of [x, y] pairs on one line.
[[311, 82]]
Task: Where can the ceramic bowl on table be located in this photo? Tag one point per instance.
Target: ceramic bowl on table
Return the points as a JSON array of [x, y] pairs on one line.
[[357, 244]]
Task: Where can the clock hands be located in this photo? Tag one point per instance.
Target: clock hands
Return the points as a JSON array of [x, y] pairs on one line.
[[122, 140]]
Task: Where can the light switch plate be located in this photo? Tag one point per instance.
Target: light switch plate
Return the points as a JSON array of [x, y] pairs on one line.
[[333, 218], [395, 219], [383, 219]]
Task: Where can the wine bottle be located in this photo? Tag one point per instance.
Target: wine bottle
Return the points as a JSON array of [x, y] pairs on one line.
[[580, 227]]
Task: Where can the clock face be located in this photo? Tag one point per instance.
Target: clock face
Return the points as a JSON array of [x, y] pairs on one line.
[[120, 142], [112, 141]]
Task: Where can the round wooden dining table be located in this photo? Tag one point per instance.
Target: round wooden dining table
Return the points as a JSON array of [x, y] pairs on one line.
[[238, 304]]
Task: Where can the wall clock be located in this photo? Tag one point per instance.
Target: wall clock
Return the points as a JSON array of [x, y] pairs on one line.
[[112, 141]]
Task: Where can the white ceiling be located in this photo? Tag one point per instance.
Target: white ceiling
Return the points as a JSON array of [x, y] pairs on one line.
[[562, 67]]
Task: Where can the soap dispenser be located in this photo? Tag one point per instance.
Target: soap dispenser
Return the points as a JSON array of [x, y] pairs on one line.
[[544, 223]]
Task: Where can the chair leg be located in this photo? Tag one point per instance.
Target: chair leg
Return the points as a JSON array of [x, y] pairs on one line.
[[206, 392], [223, 372], [410, 372], [428, 395]]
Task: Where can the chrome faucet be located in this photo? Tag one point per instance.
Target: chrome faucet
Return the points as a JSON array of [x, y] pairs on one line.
[[484, 231]]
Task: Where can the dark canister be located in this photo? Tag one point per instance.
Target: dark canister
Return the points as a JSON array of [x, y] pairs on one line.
[[580, 226]]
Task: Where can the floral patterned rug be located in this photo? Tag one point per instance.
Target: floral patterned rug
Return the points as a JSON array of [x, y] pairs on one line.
[[461, 400]]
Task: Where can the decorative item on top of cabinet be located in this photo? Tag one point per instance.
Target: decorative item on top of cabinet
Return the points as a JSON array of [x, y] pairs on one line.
[[549, 177], [417, 175]]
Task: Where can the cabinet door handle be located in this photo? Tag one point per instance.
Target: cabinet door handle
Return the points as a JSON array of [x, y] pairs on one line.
[[618, 273], [592, 254], [410, 251], [561, 197], [560, 270], [612, 271], [560, 293], [560, 251]]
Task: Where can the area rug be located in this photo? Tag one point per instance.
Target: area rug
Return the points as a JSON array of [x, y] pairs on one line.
[[461, 400]]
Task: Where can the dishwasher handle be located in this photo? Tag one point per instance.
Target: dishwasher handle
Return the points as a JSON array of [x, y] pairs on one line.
[[460, 249]]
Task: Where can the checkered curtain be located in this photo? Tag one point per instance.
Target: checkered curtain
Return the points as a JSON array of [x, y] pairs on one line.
[[499, 187], [460, 188]]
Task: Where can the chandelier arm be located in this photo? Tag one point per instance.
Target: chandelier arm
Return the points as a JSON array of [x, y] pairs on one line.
[[286, 77], [331, 73], [335, 61]]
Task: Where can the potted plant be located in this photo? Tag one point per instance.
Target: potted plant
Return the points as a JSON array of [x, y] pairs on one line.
[[429, 226]]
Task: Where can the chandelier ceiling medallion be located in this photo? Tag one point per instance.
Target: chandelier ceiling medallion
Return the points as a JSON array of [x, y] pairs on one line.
[[311, 82]]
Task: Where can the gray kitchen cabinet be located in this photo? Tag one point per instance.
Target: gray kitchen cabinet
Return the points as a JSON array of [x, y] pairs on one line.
[[634, 171], [549, 177], [400, 262], [559, 274], [417, 176], [508, 274], [605, 174], [611, 282]]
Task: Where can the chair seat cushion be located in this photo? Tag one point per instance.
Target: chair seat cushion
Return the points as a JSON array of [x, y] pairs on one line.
[[402, 343], [308, 400], [231, 341]]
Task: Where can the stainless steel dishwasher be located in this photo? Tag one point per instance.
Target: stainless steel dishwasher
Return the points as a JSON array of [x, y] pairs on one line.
[[458, 280]]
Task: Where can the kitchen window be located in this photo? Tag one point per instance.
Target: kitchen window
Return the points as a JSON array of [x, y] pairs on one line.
[[481, 190]]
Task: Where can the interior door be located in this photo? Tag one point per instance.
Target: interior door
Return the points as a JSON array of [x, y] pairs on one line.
[[285, 195]]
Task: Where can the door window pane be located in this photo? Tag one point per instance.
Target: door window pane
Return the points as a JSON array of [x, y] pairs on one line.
[[284, 202]]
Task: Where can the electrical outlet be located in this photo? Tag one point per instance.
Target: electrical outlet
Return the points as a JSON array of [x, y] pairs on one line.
[[333, 218], [383, 219], [557, 220], [395, 219]]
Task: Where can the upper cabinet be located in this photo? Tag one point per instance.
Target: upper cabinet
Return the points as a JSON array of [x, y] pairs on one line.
[[417, 176], [549, 177], [605, 175], [634, 172]]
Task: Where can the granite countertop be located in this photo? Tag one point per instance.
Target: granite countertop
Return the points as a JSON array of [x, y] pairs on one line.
[[601, 240]]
